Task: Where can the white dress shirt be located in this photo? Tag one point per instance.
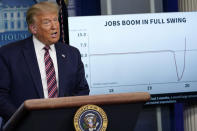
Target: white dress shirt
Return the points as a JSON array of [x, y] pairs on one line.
[[40, 59]]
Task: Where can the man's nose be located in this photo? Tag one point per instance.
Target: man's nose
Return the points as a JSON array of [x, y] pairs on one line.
[[54, 25]]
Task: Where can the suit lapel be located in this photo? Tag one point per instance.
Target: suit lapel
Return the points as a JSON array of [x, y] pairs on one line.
[[62, 63], [30, 57]]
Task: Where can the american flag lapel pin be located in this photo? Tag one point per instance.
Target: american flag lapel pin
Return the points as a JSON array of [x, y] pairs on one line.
[[63, 56]]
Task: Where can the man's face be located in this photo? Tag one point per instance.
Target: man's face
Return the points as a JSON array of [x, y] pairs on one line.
[[46, 28]]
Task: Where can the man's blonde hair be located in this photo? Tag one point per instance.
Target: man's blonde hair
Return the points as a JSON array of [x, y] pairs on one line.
[[42, 7]]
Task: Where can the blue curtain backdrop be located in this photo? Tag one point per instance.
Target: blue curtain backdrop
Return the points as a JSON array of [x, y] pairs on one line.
[[88, 7], [170, 6], [178, 115]]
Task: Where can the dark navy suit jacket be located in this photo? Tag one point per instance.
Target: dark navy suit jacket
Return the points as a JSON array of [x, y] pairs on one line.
[[20, 76]]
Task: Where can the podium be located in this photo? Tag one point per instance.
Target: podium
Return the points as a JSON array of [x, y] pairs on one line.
[[57, 114]]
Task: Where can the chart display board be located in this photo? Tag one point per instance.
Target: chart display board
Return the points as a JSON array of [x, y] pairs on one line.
[[142, 52]]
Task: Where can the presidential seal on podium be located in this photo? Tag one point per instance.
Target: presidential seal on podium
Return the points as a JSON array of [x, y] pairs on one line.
[[90, 118]]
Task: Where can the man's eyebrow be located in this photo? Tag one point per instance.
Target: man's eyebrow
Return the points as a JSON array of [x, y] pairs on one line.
[[45, 19]]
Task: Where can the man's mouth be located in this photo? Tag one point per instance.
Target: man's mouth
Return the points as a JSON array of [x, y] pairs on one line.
[[54, 34]]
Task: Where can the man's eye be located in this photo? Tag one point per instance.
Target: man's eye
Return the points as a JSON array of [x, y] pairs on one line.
[[55, 19], [46, 22]]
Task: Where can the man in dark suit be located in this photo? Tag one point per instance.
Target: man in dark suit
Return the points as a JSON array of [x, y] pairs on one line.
[[23, 65]]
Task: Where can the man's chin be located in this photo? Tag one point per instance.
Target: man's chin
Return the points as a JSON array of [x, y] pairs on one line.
[[54, 41], [51, 42]]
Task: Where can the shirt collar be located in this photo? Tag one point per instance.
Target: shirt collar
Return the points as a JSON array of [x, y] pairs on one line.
[[39, 45]]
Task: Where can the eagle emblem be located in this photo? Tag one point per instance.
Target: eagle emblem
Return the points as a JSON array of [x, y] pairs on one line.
[[90, 118], [90, 122]]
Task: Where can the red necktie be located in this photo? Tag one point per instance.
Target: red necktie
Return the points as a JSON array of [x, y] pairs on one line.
[[50, 74]]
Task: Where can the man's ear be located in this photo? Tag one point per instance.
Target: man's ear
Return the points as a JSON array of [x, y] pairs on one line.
[[33, 28]]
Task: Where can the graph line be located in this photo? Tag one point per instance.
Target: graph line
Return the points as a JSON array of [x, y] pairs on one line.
[[179, 77]]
